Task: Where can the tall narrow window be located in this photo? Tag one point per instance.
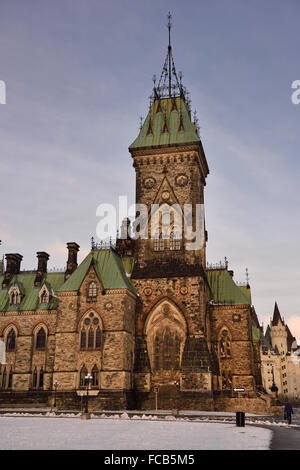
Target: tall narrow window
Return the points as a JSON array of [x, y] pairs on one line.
[[4, 377], [95, 376], [177, 351], [41, 339], [159, 244], [174, 241], [34, 378], [10, 379], [98, 338], [83, 373], [44, 297], [92, 289], [41, 378], [11, 340], [91, 338], [167, 346], [83, 339], [156, 353]]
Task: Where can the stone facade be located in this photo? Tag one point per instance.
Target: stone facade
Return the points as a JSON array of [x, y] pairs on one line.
[[147, 319]]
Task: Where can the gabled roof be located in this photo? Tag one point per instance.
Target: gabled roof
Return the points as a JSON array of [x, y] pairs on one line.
[[224, 289], [266, 339], [30, 300], [163, 114], [109, 269]]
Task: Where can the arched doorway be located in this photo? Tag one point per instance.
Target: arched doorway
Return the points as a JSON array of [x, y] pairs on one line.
[[165, 332]]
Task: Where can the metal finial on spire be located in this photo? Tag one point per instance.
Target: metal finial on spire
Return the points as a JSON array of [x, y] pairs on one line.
[[169, 86]]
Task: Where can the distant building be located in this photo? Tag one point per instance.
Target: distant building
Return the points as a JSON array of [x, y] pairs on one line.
[[280, 359]]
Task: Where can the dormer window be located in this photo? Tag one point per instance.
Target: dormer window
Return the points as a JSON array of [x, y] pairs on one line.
[[44, 295], [15, 296]]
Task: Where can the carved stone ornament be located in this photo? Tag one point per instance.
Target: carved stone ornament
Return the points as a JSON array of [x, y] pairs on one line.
[[108, 306], [183, 290], [147, 291], [181, 180], [149, 183]]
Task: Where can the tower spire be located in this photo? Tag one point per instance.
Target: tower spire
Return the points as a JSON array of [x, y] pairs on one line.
[[168, 86]]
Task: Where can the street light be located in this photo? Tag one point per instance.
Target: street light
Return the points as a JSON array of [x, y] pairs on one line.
[[88, 381]]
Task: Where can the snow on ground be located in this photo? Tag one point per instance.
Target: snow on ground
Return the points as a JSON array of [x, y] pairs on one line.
[[122, 434]]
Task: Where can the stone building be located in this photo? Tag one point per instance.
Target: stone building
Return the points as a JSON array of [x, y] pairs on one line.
[[280, 359], [143, 317]]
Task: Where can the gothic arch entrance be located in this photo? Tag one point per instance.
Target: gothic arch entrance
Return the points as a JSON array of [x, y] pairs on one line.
[[165, 332]]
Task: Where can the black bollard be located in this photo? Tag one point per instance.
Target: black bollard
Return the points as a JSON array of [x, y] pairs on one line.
[[240, 418]]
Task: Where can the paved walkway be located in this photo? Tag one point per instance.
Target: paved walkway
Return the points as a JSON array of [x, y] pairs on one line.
[[284, 438]]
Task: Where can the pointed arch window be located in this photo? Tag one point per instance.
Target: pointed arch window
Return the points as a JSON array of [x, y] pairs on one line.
[[41, 378], [44, 296], [83, 373], [95, 376], [15, 296], [90, 333], [98, 338], [41, 340], [11, 341]]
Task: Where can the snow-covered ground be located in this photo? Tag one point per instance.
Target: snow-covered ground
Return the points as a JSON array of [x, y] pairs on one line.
[[124, 434]]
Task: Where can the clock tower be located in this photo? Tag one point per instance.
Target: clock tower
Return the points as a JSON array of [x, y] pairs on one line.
[[169, 271]]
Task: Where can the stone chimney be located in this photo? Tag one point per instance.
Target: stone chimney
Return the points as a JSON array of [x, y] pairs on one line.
[[42, 257], [13, 264], [72, 264]]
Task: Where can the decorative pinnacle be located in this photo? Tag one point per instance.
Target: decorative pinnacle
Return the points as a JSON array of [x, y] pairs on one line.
[[247, 277]]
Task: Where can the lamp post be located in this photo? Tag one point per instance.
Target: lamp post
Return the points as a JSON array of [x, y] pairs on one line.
[[88, 381], [56, 384], [274, 388], [175, 411]]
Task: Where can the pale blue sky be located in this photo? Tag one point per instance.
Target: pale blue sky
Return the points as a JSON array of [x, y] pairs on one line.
[[78, 76]]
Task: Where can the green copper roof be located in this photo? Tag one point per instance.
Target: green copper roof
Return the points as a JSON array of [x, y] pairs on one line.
[[128, 264], [168, 123], [224, 289], [109, 269], [247, 292], [30, 300], [256, 333]]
